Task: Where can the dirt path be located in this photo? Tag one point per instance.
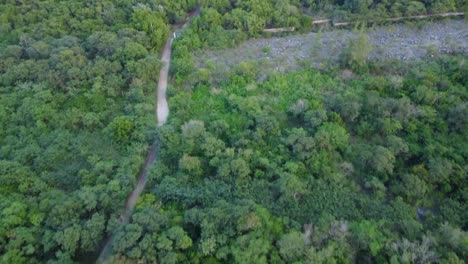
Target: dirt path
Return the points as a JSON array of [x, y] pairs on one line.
[[162, 109], [162, 113]]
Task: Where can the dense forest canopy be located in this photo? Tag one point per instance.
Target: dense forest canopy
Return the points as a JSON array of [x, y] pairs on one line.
[[305, 167], [76, 112], [370, 169]]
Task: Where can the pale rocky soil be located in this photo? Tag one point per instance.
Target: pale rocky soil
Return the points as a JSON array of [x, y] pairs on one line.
[[399, 41]]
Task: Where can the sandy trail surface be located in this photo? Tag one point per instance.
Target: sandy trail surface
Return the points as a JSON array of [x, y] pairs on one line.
[[162, 108], [162, 113]]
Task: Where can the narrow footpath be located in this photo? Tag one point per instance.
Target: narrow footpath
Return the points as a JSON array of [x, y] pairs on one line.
[[162, 113]]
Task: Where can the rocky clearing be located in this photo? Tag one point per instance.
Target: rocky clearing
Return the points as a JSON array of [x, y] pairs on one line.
[[398, 41]]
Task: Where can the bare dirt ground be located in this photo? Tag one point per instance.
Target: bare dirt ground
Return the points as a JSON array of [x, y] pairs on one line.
[[399, 41], [162, 109], [162, 113]]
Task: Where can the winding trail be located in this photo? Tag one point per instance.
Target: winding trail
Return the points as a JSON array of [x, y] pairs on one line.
[[162, 108], [162, 113]]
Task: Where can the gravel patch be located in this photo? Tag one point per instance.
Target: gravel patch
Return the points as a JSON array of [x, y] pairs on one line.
[[398, 41]]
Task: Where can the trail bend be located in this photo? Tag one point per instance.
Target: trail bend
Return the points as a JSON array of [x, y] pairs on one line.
[[162, 113], [162, 108]]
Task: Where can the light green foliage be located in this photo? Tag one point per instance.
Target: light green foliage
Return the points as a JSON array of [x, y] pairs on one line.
[[453, 239], [127, 237], [368, 236], [291, 246], [121, 129], [383, 160], [331, 136], [358, 51], [181, 240], [191, 165], [152, 23], [415, 8], [251, 249]]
